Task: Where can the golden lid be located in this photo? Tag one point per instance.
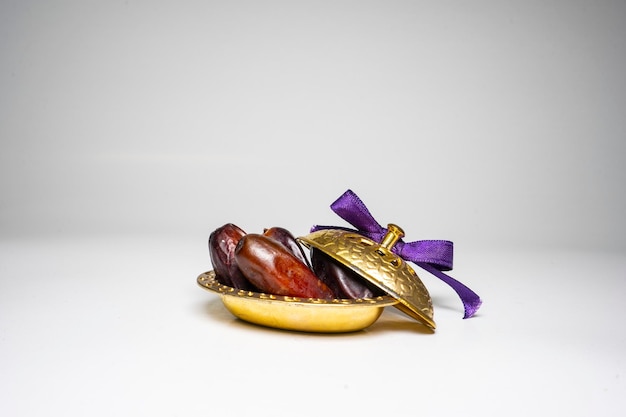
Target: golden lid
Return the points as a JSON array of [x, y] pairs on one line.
[[376, 263]]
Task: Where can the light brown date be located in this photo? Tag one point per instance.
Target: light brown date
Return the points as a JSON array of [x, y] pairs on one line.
[[273, 269]]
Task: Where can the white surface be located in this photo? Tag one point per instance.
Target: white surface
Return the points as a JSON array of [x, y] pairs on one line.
[[118, 327], [130, 130]]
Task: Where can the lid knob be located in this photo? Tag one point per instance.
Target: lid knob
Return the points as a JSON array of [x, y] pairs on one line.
[[394, 233]]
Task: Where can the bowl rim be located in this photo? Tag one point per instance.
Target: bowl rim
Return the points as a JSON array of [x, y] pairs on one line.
[[208, 281]]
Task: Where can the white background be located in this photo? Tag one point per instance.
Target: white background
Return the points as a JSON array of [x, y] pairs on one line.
[[131, 129]]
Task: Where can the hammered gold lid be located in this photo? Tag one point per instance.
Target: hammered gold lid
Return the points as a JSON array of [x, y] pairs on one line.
[[379, 265]]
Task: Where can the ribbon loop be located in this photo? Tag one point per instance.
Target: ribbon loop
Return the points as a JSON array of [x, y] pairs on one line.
[[433, 256]]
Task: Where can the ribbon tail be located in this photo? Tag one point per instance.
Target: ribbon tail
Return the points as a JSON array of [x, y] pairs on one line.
[[471, 300]]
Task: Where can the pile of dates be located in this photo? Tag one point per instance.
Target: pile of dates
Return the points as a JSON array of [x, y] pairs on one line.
[[274, 262]]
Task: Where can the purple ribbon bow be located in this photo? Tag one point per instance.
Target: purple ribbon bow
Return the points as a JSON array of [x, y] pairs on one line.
[[434, 256]]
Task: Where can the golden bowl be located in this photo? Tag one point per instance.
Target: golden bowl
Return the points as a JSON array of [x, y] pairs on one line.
[[294, 313]]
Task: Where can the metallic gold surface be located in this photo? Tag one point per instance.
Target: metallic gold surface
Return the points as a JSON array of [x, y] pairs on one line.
[[379, 265], [293, 313]]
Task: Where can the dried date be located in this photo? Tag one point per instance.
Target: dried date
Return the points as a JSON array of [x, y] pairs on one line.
[[287, 239], [273, 269], [343, 281], [222, 244]]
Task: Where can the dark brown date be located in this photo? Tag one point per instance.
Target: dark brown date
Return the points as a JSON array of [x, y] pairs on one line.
[[222, 244], [343, 281], [287, 239], [273, 269]]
